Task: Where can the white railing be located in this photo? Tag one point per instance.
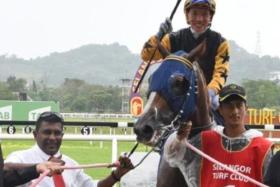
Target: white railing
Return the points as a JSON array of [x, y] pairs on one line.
[[95, 115], [74, 137]]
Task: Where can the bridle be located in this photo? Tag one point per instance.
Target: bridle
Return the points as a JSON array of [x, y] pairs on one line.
[[177, 120]]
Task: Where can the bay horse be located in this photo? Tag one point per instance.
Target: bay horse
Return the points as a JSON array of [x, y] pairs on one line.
[[177, 93]]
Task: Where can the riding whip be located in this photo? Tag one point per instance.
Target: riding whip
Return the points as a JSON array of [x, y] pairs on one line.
[[154, 52]]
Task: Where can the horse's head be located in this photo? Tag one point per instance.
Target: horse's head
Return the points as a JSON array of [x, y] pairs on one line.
[[173, 92]]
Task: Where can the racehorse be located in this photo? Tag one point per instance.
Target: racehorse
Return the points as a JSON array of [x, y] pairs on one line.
[[177, 93]]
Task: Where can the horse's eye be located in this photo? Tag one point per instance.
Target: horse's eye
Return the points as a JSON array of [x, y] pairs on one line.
[[179, 84]]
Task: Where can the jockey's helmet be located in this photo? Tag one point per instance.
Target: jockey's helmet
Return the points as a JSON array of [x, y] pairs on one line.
[[211, 4]]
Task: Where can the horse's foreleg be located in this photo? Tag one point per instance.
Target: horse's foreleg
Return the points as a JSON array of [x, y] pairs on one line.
[[169, 177]]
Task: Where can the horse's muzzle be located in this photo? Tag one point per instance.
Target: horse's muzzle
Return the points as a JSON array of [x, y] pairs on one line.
[[144, 133]]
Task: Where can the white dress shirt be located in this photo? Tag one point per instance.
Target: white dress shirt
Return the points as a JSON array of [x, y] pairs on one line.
[[72, 178]]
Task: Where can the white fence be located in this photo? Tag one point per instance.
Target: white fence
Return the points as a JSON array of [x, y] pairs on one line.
[[95, 115], [113, 138]]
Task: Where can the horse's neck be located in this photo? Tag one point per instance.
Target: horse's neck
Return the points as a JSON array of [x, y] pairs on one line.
[[201, 117], [202, 113]]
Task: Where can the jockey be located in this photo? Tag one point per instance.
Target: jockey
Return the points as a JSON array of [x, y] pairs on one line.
[[215, 62], [233, 145]]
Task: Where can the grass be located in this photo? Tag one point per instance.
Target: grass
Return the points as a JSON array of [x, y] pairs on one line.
[[84, 152]]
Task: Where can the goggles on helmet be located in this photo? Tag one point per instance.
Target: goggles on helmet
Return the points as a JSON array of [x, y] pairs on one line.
[[210, 3]]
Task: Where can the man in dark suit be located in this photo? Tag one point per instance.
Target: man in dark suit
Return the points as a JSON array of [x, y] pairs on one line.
[[1, 167], [272, 177]]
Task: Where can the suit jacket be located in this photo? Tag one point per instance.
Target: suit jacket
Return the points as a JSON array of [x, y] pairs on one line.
[[272, 177], [19, 176], [10, 178], [1, 167]]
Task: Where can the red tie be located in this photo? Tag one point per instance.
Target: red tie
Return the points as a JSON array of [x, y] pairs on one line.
[[57, 178]]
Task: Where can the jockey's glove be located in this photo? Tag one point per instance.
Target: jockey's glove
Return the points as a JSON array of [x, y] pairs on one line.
[[165, 28], [214, 99]]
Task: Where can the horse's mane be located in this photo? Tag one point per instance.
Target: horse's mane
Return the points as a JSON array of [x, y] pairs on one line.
[[202, 114], [194, 55]]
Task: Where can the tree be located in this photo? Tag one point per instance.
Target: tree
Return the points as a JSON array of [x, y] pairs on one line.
[[5, 93], [262, 93], [16, 85], [76, 95], [34, 86]]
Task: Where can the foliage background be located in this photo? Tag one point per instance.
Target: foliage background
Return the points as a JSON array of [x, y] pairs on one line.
[[88, 79]]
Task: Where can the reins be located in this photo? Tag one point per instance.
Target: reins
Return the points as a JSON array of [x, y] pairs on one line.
[[167, 130], [146, 155]]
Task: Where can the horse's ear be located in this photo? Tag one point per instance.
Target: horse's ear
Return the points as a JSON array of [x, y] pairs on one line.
[[179, 84]]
